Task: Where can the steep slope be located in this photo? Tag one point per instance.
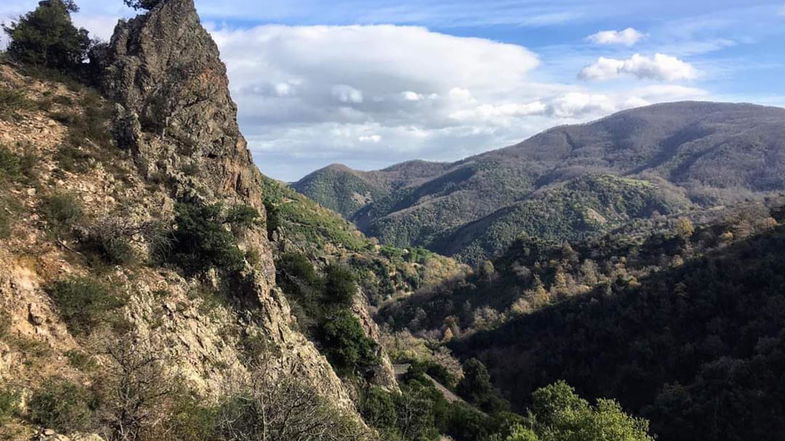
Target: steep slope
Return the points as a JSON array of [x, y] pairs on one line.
[[140, 253], [713, 153], [680, 320], [696, 348]]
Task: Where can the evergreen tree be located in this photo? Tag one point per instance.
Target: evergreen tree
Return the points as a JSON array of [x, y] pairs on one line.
[[47, 37]]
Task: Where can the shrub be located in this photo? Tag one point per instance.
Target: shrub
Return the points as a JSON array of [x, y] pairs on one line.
[[201, 239], [242, 216], [11, 102], [109, 239], [16, 167], [5, 222], [46, 37], [72, 159], [9, 400], [61, 405], [83, 302], [340, 286], [346, 345], [62, 210]]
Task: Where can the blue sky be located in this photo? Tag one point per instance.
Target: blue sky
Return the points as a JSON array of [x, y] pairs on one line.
[[373, 82]]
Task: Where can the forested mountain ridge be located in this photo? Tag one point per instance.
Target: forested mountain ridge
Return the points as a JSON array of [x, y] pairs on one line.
[[710, 153]]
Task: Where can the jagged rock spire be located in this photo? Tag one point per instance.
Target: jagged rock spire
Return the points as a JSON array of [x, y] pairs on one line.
[[164, 69]]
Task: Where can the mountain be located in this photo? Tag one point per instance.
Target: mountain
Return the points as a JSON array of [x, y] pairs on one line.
[[345, 191], [698, 152]]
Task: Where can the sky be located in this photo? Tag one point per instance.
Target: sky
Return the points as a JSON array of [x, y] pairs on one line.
[[370, 83]]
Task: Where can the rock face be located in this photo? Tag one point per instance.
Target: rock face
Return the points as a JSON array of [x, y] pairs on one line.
[[164, 69], [176, 116]]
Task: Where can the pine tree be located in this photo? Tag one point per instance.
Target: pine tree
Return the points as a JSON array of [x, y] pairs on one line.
[[47, 37]]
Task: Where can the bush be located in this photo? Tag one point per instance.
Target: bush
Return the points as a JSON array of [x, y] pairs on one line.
[[61, 405], [109, 239], [476, 387], [62, 210], [46, 37], [345, 344], [202, 241], [72, 159], [11, 102], [339, 285], [84, 303], [16, 167], [242, 217], [9, 400]]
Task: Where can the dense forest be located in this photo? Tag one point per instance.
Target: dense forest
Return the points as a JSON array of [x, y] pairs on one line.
[[682, 323]]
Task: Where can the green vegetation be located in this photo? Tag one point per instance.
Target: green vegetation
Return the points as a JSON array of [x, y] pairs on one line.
[[339, 189], [9, 402], [203, 239], [680, 324], [13, 101], [345, 344], [321, 307], [109, 240], [84, 303], [61, 405], [557, 414], [63, 211], [142, 4], [46, 37], [15, 167], [420, 412], [581, 208], [305, 222]]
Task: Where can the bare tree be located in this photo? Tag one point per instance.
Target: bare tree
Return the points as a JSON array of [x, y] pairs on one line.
[[270, 407], [134, 391]]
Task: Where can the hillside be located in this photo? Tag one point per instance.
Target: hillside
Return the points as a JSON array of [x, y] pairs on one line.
[[710, 153], [679, 318], [346, 191], [148, 288]]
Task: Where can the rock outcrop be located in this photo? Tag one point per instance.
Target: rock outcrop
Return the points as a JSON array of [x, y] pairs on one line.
[[164, 69], [176, 116]]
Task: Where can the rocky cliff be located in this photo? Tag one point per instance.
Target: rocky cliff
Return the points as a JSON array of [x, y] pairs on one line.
[[87, 175], [175, 114]]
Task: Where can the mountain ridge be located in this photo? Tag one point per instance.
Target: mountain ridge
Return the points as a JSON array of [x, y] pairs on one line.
[[712, 153]]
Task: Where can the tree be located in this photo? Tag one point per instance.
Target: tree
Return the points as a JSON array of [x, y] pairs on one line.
[[476, 387], [339, 285], [142, 4], [559, 414], [346, 345], [47, 37], [277, 406]]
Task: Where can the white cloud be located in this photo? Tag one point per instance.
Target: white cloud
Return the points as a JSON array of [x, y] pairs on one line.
[[374, 95], [781, 11], [626, 37], [660, 67]]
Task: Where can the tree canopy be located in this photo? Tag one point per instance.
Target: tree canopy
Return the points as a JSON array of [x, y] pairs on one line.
[[47, 37]]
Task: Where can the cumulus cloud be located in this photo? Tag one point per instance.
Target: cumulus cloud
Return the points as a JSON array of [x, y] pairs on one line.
[[626, 37], [374, 95], [660, 67]]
